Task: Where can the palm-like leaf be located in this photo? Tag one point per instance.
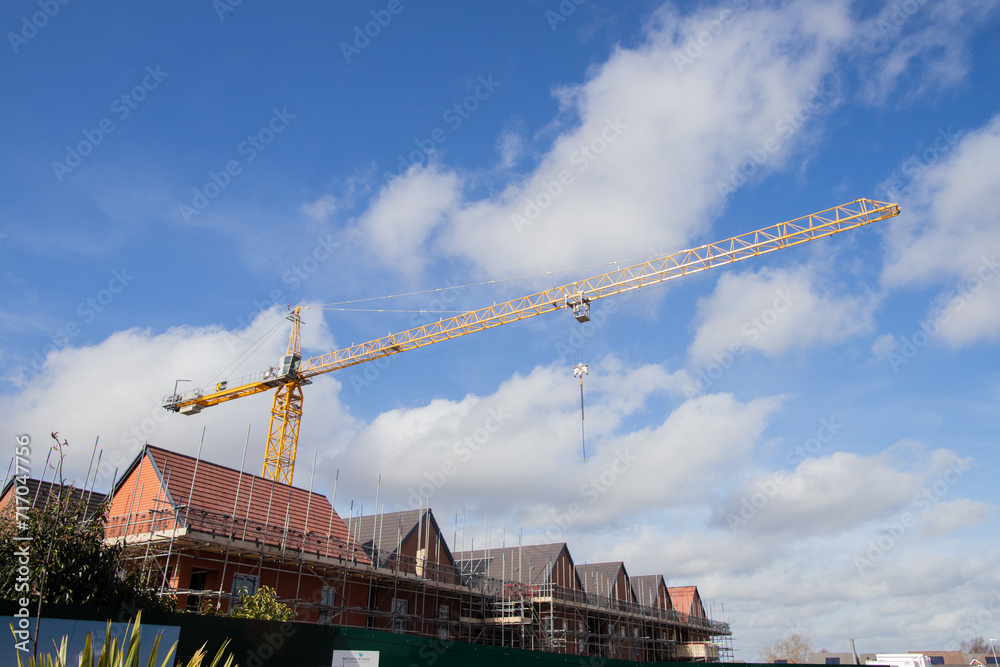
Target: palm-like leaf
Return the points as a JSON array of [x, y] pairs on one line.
[[124, 655]]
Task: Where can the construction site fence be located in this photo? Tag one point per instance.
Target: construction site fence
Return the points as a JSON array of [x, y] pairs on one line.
[[270, 644], [186, 522]]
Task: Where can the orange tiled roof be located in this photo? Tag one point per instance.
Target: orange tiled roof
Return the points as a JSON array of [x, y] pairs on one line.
[[269, 509], [686, 600]]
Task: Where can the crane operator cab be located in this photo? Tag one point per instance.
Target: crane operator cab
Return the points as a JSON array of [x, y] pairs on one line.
[[288, 366], [286, 370]]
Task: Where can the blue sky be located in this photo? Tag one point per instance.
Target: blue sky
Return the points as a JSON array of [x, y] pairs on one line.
[[175, 175]]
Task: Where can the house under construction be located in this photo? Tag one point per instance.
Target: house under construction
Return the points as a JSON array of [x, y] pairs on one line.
[[210, 531]]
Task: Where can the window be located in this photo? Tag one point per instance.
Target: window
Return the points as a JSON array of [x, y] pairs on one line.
[[401, 607], [444, 612], [937, 659], [198, 583], [327, 600], [991, 660], [251, 582], [243, 582], [833, 661], [780, 662]]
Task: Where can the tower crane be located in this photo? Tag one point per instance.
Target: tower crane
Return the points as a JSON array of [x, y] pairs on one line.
[[292, 372]]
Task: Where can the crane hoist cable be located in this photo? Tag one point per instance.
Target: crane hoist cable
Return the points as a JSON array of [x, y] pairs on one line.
[[617, 262], [386, 310], [242, 357], [579, 371]]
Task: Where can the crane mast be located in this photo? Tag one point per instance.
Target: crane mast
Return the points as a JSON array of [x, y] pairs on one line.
[[292, 372]]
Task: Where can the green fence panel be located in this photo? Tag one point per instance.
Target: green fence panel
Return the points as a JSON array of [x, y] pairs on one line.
[[272, 644]]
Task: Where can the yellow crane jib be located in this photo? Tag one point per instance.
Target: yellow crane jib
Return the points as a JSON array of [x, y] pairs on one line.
[[292, 372]]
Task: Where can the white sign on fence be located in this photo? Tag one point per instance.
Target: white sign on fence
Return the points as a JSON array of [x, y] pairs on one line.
[[355, 658]]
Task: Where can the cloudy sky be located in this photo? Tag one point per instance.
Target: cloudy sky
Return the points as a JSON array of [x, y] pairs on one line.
[[810, 437]]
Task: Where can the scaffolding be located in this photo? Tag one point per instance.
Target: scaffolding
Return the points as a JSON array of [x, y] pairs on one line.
[[342, 582]]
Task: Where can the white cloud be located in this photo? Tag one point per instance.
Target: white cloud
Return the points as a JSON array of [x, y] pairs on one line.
[[833, 493], [948, 235], [510, 144], [773, 311], [646, 494], [945, 517], [482, 451], [922, 43], [883, 345], [113, 389], [321, 209], [400, 222], [660, 473], [771, 583], [971, 311], [947, 223], [458, 450], [642, 146]]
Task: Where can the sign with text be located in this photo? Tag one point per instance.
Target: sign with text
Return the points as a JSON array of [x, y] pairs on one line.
[[355, 658]]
